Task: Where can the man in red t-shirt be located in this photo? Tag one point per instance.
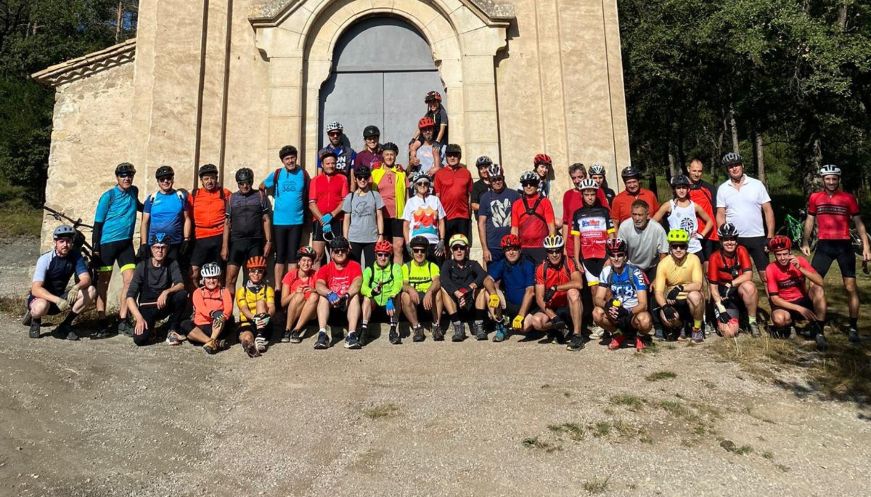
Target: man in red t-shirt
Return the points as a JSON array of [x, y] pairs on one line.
[[208, 206], [338, 283], [558, 287], [702, 194], [453, 187], [532, 218], [833, 209], [621, 207], [730, 274], [795, 291], [325, 195]]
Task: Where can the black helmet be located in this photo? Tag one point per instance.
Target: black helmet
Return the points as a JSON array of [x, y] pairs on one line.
[[630, 172], [124, 168], [370, 131], [679, 180], [362, 172], [286, 151], [419, 241], [244, 175], [483, 161], [390, 146], [454, 149], [727, 231], [208, 169], [163, 172], [340, 242], [731, 159]]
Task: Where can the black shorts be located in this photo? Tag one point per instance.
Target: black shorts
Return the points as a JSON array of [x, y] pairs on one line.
[[207, 250], [683, 311], [709, 247], [394, 228], [243, 249], [52, 307], [828, 251], [121, 252], [805, 302], [512, 310], [286, 241], [755, 246], [318, 232], [458, 226], [251, 328], [594, 266]]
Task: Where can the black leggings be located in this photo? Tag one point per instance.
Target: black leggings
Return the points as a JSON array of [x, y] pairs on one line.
[[363, 249], [175, 308]]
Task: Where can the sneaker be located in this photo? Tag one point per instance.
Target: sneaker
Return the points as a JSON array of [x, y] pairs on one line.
[[658, 334], [852, 334], [261, 343], [285, 336], [27, 319], [352, 341], [210, 347], [576, 343], [501, 332], [102, 332], [125, 328], [418, 334], [698, 335], [480, 333], [616, 342], [295, 336], [754, 330], [323, 341], [596, 331], [363, 334], [174, 338], [395, 339], [682, 336], [64, 332], [822, 343], [35, 329], [438, 334], [459, 332], [251, 350], [639, 344]]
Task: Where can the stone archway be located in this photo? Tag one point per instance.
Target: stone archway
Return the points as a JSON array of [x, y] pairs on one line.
[[298, 37]]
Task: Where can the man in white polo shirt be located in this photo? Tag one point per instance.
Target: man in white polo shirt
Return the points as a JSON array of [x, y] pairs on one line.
[[742, 201]]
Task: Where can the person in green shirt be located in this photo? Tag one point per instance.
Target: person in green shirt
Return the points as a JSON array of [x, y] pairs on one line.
[[382, 284], [420, 290]]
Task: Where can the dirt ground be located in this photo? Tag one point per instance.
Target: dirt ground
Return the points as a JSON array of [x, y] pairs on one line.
[[103, 418]]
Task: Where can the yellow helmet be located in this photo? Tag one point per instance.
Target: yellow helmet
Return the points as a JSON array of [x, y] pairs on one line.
[[458, 239], [678, 236]]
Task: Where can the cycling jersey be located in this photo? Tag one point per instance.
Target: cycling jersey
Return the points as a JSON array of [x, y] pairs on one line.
[[420, 276], [117, 211], [515, 277], [702, 194], [426, 155], [345, 158], [423, 216], [209, 211], [479, 188], [289, 189], [624, 285], [166, 211], [327, 191], [531, 215], [670, 273], [55, 271], [245, 213], [572, 201], [339, 280], [392, 184], [787, 282], [497, 207], [594, 226], [724, 269], [207, 301], [833, 213], [248, 296], [148, 282], [453, 187], [387, 279], [454, 276], [621, 206], [294, 281], [549, 276], [367, 158], [684, 218]]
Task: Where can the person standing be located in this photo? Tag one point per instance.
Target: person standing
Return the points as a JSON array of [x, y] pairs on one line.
[[391, 182], [681, 213], [532, 218], [494, 217], [208, 206], [363, 223], [702, 194], [621, 206], [165, 211], [424, 216], [482, 185], [325, 196], [371, 154], [453, 186], [345, 156], [248, 229]]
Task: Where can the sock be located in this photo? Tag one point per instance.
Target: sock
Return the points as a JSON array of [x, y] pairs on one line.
[[854, 323], [365, 323], [697, 324], [480, 314], [103, 322], [323, 330], [71, 317], [751, 320], [36, 321], [455, 318], [820, 325]]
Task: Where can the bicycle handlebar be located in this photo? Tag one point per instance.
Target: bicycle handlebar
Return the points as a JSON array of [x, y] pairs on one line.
[[77, 223]]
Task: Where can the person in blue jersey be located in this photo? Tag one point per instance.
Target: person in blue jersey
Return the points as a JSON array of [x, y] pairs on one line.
[[288, 186], [165, 211], [516, 298], [114, 224], [345, 155], [48, 291]]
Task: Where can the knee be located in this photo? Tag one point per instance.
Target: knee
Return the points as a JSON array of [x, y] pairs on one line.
[[143, 339], [598, 314], [574, 295], [695, 298], [38, 308], [748, 289], [90, 293], [780, 318], [643, 322]]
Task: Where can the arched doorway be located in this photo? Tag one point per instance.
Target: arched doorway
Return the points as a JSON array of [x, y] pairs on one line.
[[382, 68]]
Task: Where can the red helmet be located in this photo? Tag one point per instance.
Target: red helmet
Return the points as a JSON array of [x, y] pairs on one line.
[[384, 246], [542, 159], [779, 243], [256, 262], [432, 96], [615, 245], [306, 251], [425, 122], [510, 240]]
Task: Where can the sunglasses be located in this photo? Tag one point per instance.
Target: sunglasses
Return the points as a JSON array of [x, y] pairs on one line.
[[372, 138], [363, 178], [496, 179], [419, 251], [554, 251], [340, 251], [529, 183], [458, 247], [126, 175], [511, 249], [423, 183], [166, 178], [256, 271], [452, 155], [334, 133], [383, 254], [679, 246]]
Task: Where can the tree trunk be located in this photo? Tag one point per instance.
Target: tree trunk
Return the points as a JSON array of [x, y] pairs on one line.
[[118, 18], [733, 125], [842, 15], [760, 157]]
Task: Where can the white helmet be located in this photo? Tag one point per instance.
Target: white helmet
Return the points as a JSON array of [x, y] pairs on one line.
[[530, 176], [829, 169], [597, 168], [210, 270], [588, 184], [334, 126], [495, 170], [554, 242]]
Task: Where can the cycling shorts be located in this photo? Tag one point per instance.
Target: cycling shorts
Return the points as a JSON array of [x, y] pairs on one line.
[[121, 252], [805, 302], [708, 247], [286, 241], [828, 251], [394, 228], [755, 246], [207, 250], [243, 249]]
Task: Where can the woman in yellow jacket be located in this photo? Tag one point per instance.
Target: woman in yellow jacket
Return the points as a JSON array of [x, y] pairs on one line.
[[392, 183]]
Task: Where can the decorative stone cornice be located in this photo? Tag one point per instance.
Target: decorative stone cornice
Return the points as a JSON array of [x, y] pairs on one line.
[[269, 13], [82, 67]]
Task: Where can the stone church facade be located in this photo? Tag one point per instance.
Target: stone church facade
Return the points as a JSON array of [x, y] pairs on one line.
[[230, 82]]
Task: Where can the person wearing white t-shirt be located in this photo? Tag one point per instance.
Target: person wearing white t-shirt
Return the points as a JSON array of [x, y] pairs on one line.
[[424, 216], [742, 201]]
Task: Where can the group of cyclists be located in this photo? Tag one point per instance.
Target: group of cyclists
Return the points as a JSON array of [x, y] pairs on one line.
[[389, 241]]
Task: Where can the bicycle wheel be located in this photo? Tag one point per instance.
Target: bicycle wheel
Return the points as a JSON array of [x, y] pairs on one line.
[[857, 242]]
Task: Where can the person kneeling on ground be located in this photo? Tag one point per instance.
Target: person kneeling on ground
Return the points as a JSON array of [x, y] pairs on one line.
[[298, 295], [558, 287], [678, 288], [256, 303], [48, 294], [338, 284], [421, 287], [621, 305], [213, 311], [730, 274], [462, 282], [157, 291], [382, 283], [796, 292], [517, 295]]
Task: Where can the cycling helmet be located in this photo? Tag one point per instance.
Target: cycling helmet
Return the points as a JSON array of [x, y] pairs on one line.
[[390, 146], [458, 238], [335, 126], [286, 151], [158, 239], [419, 242], [207, 169], [244, 175], [340, 242], [484, 161], [163, 172], [542, 159], [210, 270], [371, 131], [63, 231], [510, 240], [779, 243], [432, 96], [495, 171], [420, 176], [425, 122], [124, 168], [362, 172], [554, 242], [616, 245], [830, 169], [256, 262], [630, 172], [453, 149], [306, 251], [530, 177], [597, 168], [727, 231], [588, 184], [384, 246], [678, 236], [731, 159], [680, 180]]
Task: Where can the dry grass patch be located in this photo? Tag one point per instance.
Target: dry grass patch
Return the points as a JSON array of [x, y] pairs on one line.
[[381, 411], [573, 430], [631, 402], [536, 443], [661, 375], [596, 486]]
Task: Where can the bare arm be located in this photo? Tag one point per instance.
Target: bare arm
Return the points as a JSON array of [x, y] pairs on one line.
[[354, 289], [768, 212], [721, 216], [664, 209], [143, 228], [863, 234], [528, 299]]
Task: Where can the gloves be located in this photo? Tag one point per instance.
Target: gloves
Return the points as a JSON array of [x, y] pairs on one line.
[[440, 248], [673, 293], [549, 293], [624, 318], [389, 305], [62, 304], [517, 324], [261, 320], [143, 252], [494, 301], [669, 312], [333, 298], [72, 295], [185, 246], [325, 221], [376, 290], [724, 318], [327, 228], [217, 318]]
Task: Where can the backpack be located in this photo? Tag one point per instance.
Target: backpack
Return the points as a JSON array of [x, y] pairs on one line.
[[277, 175]]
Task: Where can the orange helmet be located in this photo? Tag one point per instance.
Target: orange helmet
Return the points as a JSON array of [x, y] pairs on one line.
[[256, 262], [425, 122], [384, 246]]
